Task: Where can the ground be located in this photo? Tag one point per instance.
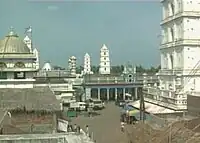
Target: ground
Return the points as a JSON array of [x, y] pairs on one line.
[[105, 127]]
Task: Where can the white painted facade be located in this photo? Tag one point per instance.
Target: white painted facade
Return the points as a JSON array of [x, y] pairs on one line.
[[72, 65], [87, 64], [18, 62], [180, 48], [104, 60], [47, 67]]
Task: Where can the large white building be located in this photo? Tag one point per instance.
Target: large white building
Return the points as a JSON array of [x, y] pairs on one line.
[[18, 62], [104, 60], [87, 64], [180, 60]]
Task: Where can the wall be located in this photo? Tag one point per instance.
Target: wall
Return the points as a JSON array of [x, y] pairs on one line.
[[191, 5], [193, 105], [41, 124]]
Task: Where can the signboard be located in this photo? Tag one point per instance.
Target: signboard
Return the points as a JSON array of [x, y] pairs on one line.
[[62, 125]]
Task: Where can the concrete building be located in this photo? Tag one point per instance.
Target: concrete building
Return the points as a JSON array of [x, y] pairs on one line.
[[104, 60], [47, 67], [87, 64], [18, 63], [180, 58]]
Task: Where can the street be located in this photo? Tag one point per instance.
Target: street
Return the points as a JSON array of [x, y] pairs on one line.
[[105, 127]]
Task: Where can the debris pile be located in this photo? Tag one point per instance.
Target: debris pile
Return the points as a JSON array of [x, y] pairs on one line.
[[177, 132]]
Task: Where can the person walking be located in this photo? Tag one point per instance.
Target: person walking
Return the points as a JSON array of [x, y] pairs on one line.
[[87, 130], [122, 126]]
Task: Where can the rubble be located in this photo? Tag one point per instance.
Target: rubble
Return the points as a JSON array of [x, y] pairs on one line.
[[177, 132]]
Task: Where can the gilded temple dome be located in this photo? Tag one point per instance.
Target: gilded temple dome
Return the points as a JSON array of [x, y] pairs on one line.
[[12, 44]]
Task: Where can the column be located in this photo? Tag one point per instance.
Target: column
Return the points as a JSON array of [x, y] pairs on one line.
[[99, 93], [124, 94], [108, 93], [87, 93], [136, 93], [115, 93]]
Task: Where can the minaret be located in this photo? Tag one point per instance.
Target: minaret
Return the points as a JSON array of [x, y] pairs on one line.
[[87, 64], [36, 53], [104, 60], [72, 65], [27, 41]]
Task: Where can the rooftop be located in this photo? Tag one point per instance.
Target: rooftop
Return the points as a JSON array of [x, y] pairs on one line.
[[12, 44], [40, 98]]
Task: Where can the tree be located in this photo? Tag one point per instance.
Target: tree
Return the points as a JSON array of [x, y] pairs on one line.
[[117, 69]]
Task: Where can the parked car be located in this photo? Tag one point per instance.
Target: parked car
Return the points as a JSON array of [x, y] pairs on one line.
[[98, 104], [120, 103]]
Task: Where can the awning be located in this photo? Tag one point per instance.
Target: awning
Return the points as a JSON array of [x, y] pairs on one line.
[[152, 108], [133, 112]]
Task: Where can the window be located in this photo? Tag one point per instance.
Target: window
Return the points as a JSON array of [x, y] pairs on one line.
[[104, 58], [172, 33], [19, 65], [3, 75], [19, 75], [104, 63], [104, 53], [172, 8], [105, 69]]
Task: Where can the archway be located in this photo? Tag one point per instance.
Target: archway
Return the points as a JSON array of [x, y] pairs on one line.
[[94, 93], [112, 94], [103, 94], [19, 65], [3, 75]]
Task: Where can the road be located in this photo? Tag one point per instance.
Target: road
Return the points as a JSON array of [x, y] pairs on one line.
[[105, 127]]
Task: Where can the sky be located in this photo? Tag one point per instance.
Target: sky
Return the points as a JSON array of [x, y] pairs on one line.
[[62, 29]]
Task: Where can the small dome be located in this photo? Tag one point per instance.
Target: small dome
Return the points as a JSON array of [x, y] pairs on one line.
[[47, 67], [13, 44]]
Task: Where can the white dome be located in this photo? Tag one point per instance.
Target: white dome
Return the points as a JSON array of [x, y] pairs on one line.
[[47, 67]]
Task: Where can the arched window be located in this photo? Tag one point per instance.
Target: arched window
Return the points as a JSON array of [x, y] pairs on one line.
[[19, 65], [2, 65]]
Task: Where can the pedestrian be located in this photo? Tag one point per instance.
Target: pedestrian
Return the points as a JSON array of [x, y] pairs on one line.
[[75, 128], [122, 126], [78, 129], [87, 130]]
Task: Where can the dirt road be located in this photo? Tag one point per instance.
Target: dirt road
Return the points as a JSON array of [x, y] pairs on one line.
[[105, 127]]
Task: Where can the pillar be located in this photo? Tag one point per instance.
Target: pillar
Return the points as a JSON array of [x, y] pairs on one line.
[[99, 93], [108, 93], [87, 93], [136, 93], [54, 123], [124, 93], [115, 93]]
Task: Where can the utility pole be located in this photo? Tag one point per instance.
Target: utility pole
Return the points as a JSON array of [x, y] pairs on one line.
[[142, 108]]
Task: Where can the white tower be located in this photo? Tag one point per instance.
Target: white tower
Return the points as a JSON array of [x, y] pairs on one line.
[[104, 60], [87, 64], [180, 50], [28, 42], [72, 65], [36, 53]]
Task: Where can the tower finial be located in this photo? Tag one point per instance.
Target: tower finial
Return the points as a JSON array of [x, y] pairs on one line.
[[11, 31]]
